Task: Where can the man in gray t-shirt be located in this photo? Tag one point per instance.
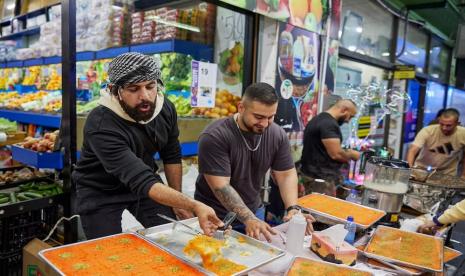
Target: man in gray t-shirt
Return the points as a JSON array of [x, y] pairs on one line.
[[234, 155]]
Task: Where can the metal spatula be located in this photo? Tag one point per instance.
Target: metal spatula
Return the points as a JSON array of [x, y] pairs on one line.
[[228, 219], [197, 232]]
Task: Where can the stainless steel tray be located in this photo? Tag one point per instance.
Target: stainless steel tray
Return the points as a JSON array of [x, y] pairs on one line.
[[331, 220], [249, 252], [399, 262], [323, 262], [41, 253]]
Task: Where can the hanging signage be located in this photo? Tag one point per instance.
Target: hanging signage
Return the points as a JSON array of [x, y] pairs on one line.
[[402, 72], [203, 87], [307, 14]]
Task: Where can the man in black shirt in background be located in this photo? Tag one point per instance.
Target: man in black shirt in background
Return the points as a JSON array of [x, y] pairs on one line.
[[322, 154], [117, 169]]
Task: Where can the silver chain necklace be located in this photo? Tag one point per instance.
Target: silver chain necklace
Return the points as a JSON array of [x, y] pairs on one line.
[[236, 116]]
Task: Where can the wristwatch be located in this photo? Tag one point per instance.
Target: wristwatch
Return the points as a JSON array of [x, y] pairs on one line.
[[293, 207], [436, 221]]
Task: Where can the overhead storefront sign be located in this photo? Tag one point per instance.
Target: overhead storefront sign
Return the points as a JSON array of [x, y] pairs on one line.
[[203, 88], [402, 72], [307, 14]]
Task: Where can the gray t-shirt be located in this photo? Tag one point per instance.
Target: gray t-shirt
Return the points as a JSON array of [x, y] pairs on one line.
[[222, 152]]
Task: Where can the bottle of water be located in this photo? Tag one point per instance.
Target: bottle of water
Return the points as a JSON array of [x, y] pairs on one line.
[[353, 197], [295, 234], [351, 227]]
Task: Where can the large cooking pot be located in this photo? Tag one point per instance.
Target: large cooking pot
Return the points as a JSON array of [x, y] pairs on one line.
[[386, 182]]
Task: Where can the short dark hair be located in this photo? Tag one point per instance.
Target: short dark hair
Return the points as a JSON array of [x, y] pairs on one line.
[[262, 93], [114, 90], [440, 112], [451, 112]]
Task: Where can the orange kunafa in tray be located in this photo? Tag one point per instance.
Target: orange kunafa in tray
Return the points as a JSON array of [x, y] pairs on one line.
[[121, 254], [303, 266], [340, 209], [406, 248]]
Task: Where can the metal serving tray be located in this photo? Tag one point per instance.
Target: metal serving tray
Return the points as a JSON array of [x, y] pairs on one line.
[[403, 263], [323, 262], [331, 220], [249, 252], [41, 253]]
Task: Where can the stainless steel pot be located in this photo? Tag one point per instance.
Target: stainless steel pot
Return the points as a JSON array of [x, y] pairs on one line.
[[391, 203]]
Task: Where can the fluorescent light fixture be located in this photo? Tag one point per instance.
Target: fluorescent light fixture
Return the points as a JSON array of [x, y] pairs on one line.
[[339, 33], [415, 52], [405, 53], [175, 24], [359, 29], [10, 6], [385, 54], [352, 48], [435, 76]]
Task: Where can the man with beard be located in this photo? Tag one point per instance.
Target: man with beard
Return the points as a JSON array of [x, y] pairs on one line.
[[236, 152], [117, 169], [322, 154]]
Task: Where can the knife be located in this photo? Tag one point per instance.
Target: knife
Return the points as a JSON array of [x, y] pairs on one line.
[[197, 232]]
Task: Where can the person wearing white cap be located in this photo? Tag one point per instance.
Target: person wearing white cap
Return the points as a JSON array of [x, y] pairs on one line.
[[117, 170]]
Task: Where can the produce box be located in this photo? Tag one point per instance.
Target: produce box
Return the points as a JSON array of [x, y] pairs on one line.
[[33, 265], [13, 138], [304, 266], [52, 160], [406, 248], [118, 254], [334, 210]]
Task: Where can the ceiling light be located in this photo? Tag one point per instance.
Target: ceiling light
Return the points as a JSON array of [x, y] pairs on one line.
[[359, 29], [415, 52], [385, 54], [10, 6], [352, 48]]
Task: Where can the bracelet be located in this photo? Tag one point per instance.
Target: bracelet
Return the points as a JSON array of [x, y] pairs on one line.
[[293, 207], [436, 221]]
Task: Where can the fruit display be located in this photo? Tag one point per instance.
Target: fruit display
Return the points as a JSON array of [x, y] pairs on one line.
[[45, 144], [403, 247], [16, 101], [182, 105], [30, 191], [231, 64], [7, 125], [120, 254], [225, 105], [32, 76], [340, 209], [83, 108], [55, 81], [176, 71], [20, 175]]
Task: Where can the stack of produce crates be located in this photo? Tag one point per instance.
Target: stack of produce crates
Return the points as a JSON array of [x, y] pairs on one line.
[[28, 209]]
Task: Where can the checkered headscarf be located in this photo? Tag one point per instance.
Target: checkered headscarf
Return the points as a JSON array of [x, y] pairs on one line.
[[133, 67]]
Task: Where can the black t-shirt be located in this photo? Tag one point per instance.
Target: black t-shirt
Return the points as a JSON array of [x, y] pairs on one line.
[[315, 159], [222, 152], [117, 155]]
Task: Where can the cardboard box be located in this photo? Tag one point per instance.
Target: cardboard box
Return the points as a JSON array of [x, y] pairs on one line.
[[32, 263]]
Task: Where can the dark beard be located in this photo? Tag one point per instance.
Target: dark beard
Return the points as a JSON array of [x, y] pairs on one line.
[[134, 112]]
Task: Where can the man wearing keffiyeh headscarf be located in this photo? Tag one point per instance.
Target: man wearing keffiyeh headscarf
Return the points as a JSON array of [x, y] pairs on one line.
[[117, 170]]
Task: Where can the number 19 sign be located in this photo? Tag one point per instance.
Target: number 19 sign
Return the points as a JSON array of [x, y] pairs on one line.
[[203, 87]]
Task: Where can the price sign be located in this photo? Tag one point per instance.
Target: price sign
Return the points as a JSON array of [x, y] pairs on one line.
[[203, 88]]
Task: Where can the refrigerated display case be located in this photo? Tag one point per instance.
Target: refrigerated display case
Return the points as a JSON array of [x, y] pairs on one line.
[[434, 101]]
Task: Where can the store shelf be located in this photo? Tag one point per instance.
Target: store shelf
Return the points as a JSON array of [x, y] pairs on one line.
[[29, 205], [30, 31], [49, 160], [47, 120], [197, 50]]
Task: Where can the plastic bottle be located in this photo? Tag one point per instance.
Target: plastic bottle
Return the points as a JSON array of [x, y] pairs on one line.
[[351, 227], [353, 197], [295, 234]]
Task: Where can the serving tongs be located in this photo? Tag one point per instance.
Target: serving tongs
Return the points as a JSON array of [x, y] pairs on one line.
[[176, 222], [221, 231]]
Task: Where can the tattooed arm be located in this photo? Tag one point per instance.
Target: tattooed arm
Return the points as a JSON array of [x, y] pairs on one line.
[[232, 201]]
